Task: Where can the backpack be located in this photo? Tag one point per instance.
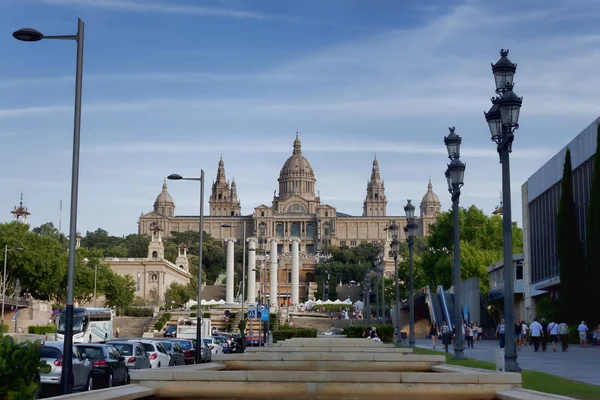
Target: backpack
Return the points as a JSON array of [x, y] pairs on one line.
[[563, 329]]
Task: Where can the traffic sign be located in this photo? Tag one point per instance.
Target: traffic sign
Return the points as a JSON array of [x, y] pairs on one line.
[[14, 318], [227, 312], [252, 314], [264, 315]]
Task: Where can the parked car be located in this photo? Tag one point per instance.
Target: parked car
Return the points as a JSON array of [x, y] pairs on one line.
[[158, 355], [212, 345], [188, 348], [206, 355], [52, 353], [222, 341], [175, 352], [226, 335], [134, 353], [333, 332], [170, 331], [109, 365]]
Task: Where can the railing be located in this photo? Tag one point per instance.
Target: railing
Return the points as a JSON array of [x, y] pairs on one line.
[[16, 301]]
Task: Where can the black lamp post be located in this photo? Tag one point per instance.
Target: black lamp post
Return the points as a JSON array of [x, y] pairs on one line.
[[382, 269], [395, 248], [410, 229], [503, 120], [178, 177], [454, 176]]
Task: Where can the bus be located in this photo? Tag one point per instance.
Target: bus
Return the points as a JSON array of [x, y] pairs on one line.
[[90, 325]]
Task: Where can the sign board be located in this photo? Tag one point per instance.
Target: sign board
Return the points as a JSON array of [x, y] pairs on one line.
[[252, 314], [14, 318], [227, 312], [264, 315]]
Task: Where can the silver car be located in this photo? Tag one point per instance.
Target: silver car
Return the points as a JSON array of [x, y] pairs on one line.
[[52, 353], [134, 353]]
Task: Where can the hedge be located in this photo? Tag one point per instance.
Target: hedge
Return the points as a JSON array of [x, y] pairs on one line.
[[193, 315], [386, 332], [194, 307], [4, 328], [167, 316], [206, 315], [288, 333], [41, 329], [137, 311]]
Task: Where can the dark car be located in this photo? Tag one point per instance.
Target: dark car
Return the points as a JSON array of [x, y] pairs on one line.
[[134, 353], [177, 357], [188, 349], [109, 365], [170, 331]]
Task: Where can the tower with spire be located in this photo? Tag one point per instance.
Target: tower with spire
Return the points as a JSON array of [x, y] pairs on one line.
[[375, 203], [20, 213], [223, 201]]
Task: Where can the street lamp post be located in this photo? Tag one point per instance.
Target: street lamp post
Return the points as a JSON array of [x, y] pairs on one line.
[[381, 262], [32, 35], [243, 277], [395, 248], [199, 310], [503, 120], [6, 250], [410, 229], [454, 176]]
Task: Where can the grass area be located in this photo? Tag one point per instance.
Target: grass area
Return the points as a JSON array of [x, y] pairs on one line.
[[532, 380]]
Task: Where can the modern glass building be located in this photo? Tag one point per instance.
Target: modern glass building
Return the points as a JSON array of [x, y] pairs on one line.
[[540, 200]]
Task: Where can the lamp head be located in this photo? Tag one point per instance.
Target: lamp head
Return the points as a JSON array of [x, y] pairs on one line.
[[28, 35], [504, 71], [409, 209], [452, 142], [174, 177]]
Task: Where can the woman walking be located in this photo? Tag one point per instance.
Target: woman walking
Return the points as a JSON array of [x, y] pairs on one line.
[[433, 332], [446, 336]]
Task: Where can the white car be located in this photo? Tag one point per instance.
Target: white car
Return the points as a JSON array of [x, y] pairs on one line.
[[157, 354], [212, 345]]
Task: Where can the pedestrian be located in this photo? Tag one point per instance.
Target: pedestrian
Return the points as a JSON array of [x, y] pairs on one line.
[[553, 333], [544, 338], [433, 332], [583, 330], [479, 333], [470, 334], [117, 332], [446, 335], [536, 332], [518, 333], [500, 333], [563, 332]]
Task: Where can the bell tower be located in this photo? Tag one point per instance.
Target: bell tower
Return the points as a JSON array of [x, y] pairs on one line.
[[20, 213], [223, 201], [156, 249], [375, 202]]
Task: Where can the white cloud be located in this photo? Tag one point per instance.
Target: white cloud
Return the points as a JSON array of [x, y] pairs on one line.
[[148, 6]]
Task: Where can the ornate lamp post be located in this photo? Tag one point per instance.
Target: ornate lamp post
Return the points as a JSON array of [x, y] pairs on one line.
[[503, 120], [410, 229], [395, 248], [454, 176], [382, 270]]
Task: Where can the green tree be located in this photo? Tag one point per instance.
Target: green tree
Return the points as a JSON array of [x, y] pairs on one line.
[[569, 248], [19, 363], [592, 276], [137, 245], [119, 291], [177, 294]]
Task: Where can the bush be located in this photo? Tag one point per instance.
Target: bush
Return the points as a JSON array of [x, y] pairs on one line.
[[159, 325], [20, 369], [139, 301], [288, 333], [386, 332], [41, 329], [4, 328], [167, 316], [193, 315], [137, 311], [206, 315], [194, 307]]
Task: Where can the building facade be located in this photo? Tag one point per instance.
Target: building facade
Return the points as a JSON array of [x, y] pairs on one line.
[[540, 197], [295, 213]]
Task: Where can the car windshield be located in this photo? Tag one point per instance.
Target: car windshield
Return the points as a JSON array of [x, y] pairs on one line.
[[124, 349], [77, 323], [50, 352], [171, 328], [92, 352], [220, 339], [167, 345], [185, 345]]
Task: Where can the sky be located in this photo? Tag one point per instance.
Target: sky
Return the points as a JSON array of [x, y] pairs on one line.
[[170, 86]]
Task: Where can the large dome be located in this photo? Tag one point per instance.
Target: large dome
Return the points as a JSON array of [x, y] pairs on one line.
[[430, 204], [296, 176], [164, 203]]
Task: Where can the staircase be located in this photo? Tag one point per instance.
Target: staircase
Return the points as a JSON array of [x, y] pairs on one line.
[[131, 326]]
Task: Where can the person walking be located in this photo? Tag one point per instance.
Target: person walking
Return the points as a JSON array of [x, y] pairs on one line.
[[500, 333], [469, 333], [518, 333], [544, 338], [118, 331], [536, 332], [583, 331], [446, 336], [553, 333], [433, 332], [563, 332]]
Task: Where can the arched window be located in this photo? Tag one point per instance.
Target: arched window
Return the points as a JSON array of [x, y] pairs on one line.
[[327, 213], [310, 230], [262, 213], [310, 277], [376, 196], [181, 266], [232, 213], [155, 255], [220, 196], [279, 230], [295, 229]]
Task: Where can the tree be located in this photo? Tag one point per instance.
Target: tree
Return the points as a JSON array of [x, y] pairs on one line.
[[119, 290], [593, 239], [569, 248], [137, 245], [177, 295]]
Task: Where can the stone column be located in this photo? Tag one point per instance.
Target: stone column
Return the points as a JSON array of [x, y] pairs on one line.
[[251, 274], [273, 284], [229, 271], [295, 271]]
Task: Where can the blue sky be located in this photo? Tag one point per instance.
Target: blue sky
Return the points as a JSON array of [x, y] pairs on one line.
[[170, 85]]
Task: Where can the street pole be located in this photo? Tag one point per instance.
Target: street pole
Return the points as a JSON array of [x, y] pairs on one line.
[[243, 283], [458, 342], [382, 265], [411, 294], [377, 310], [199, 309], [95, 279]]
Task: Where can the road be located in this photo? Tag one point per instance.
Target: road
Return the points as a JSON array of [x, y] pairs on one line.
[[579, 364]]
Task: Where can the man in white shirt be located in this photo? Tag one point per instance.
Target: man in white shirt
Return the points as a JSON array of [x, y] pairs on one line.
[[583, 330], [536, 332], [553, 332]]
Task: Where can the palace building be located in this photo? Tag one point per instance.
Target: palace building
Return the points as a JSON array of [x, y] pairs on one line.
[[296, 214]]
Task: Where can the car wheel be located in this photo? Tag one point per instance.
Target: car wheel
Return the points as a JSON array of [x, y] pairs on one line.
[[90, 386], [109, 383]]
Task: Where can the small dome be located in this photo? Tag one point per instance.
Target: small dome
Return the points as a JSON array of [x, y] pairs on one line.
[[164, 198], [430, 198]]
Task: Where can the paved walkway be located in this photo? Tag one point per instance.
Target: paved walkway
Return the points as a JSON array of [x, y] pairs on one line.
[[578, 364]]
